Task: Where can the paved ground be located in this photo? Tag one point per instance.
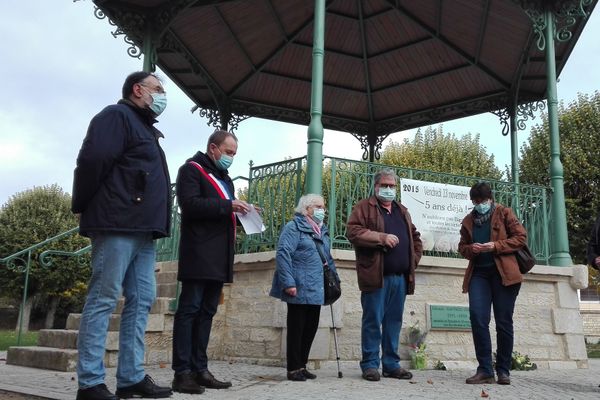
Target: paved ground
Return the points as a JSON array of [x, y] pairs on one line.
[[253, 382]]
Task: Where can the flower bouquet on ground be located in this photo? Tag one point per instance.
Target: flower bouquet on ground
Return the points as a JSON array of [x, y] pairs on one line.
[[417, 346]]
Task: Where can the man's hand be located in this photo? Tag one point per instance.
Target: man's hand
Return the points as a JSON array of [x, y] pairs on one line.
[[391, 241], [240, 206], [483, 247], [291, 291]]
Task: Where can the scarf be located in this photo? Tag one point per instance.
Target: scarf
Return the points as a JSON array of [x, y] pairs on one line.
[[316, 228], [480, 219]]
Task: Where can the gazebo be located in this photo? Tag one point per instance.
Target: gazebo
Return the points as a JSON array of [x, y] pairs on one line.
[[377, 66]]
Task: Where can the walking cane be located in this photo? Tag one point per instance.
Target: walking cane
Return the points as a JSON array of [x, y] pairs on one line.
[[337, 353]]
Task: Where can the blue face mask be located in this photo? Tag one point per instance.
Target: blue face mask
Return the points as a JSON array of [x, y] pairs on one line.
[[483, 208], [318, 215], [224, 162], [159, 103], [386, 194]]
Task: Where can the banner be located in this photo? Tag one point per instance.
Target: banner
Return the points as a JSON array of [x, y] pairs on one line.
[[437, 211]]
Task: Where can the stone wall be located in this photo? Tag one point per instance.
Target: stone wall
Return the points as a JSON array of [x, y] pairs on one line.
[[250, 325], [590, 312]]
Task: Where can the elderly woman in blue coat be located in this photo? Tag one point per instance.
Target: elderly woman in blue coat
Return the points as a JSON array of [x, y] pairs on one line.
[[298, 280]]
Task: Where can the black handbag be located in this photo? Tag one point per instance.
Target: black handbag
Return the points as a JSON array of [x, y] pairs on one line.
[[331, 284], [525, 259]]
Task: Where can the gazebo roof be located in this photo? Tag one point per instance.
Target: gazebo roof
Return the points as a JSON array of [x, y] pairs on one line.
[[389, 65]]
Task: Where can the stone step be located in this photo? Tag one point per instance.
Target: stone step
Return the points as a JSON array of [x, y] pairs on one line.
[[160, 306], [67, 339], [156, 322], [166, 266], [43, 357], [166, 277], [166, 290]]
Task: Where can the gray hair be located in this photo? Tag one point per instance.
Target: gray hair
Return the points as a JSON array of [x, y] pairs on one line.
[[308, 200], [385, 172]]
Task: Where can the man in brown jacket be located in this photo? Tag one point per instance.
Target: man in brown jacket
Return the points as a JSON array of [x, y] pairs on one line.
[[388, 248]]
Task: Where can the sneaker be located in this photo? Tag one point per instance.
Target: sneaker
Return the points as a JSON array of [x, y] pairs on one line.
[[308, 375], [206, 379], [296, 375], [98, 392], [145, 388], [186, 383], [371, 374]]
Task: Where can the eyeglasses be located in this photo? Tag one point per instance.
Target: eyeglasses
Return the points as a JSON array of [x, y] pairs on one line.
[[157, 89], [387, 185]]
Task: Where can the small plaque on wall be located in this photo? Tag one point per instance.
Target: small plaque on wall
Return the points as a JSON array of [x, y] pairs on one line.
[[449, 317]]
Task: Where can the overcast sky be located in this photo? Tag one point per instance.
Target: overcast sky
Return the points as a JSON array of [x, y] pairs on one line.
[[61, 66]]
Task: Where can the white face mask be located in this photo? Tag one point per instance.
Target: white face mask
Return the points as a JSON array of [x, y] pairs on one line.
[[159, 103], [386, 194], [318, 215]]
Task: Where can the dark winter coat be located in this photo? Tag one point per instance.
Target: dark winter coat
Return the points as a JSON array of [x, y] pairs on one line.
[[366, 231], [121, 182], [508, 235], [593, 247], [207, 240]]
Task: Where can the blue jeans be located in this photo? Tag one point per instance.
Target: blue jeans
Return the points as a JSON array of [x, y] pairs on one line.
[[486, 291], [381, 323], [197, 306], [120, 262]]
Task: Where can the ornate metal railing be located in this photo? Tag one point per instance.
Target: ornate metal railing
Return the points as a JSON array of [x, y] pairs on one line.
[[277, 188]]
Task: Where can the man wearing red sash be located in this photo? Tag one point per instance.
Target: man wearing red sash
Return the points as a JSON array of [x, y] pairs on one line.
[[207, 201]]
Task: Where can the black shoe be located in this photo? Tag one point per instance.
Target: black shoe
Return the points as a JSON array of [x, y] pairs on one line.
[[145, 388], [98, 392], [186, 383], [206, 379], [479, 378], [296, 375], [308, 375]]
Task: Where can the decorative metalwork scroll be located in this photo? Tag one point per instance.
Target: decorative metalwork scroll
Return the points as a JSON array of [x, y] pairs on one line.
[[504, 116], [527, 111], [130, 24], [564, 15], [365, 144]]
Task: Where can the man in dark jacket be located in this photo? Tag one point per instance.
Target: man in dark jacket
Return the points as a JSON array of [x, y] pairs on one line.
[[593, 247], [206, 197], [121, 189], [388, 249]]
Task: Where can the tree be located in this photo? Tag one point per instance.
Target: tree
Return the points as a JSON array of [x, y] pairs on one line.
[[579, 127], [28, 218], [435, 151]]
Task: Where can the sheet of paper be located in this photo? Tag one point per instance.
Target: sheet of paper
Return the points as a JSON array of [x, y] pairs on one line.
[[252, 221]]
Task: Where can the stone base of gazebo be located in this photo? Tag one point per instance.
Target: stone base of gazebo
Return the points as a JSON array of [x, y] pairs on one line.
[[250, 325]]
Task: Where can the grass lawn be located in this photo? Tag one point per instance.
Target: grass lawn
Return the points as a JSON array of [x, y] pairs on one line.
[[9, 338]]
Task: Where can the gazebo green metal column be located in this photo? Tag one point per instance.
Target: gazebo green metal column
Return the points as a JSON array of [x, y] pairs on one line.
[[314, 159], [149, 52], [559, 238], [514, 155]]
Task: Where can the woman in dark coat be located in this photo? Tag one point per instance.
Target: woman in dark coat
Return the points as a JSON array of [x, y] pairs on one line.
[[489, 236]]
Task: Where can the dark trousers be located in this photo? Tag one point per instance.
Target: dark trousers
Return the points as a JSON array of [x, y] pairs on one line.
[[198, 302], [302, 325], [486, 291]]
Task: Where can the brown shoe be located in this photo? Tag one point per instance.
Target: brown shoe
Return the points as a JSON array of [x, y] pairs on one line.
[[480, 377], [503, 379], [399, 373], [371, 374]]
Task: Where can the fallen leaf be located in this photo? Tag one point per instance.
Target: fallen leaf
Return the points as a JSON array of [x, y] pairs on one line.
[[413, 382], [430, 381], [484, 393], [162, 365]]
